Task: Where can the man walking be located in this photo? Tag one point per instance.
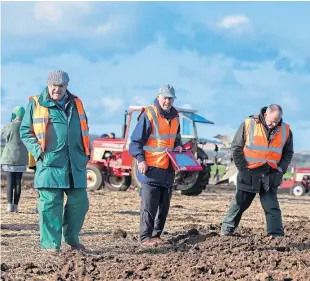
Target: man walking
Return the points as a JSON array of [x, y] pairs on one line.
[[262, 151], [55, 131], [157, 130]]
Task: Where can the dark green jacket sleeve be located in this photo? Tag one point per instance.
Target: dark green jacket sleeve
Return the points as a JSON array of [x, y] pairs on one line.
[[27, 134], [287, 153], [237, 146]]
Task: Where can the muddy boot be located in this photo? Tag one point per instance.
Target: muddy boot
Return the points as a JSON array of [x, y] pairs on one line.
[[150, 243], [15, 208], [10, 208], [78, 247], [159, 241]]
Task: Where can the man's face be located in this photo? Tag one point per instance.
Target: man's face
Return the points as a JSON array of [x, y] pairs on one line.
[[165, 102], [272, 119], [57, 92]]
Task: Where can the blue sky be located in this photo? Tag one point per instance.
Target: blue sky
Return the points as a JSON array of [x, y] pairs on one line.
[[225, 59]]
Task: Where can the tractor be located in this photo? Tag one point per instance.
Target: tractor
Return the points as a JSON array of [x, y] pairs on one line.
[[299, 184], [111, 166]]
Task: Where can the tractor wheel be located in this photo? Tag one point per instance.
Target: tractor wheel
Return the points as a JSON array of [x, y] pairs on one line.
[[94, 177], [134, 175], [118, 183], [201, 181], [298, 190]]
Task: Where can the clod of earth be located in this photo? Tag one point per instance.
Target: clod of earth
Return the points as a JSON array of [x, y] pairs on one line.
[[196, 250], [119, 233]]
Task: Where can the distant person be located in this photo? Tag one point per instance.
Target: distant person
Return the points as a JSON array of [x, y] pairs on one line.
[[104, 136], [111, 135], [157, 129], [55, 131], [262, 151], [14, 158]]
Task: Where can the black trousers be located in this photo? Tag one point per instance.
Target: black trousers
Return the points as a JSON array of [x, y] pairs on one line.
[[155, 203], [13, 187]]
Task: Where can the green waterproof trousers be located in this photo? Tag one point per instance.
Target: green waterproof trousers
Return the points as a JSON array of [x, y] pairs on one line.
[[56, 220], [242, 201]]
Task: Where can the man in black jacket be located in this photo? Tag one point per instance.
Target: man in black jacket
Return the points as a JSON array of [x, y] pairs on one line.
[[262, 151], [156, 180]]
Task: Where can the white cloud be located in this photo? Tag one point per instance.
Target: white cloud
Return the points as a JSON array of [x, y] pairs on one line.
[[234, 21], [140, 100], [69, 19], [108, 86], [48, 12], [112, 105], [235, 24], [186, 106], [290, 101]]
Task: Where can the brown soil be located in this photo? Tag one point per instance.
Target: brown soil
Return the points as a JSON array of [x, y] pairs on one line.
[[195, 250]]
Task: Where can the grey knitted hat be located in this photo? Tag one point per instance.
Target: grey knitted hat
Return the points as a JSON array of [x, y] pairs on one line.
[[167, 91], [58, 77]]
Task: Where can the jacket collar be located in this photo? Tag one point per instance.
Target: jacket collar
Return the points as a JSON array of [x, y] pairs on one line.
[[46, 101], [261, 119]]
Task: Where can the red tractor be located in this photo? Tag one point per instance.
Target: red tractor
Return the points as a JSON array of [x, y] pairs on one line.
[[113, 167], [299, 184]]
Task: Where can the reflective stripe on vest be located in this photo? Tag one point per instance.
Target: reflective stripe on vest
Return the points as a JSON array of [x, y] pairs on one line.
[[40, 121], [257, 151], [161, 138], [84, 126]]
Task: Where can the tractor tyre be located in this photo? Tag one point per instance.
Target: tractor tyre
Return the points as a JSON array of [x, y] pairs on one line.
[[201, 182], [298, 189], [115, 183], [94, 177], [134, 175]]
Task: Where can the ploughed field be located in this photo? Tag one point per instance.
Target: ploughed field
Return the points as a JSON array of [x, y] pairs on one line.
[[196, 250]]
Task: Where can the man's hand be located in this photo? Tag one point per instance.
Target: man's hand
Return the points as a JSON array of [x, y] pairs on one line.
[[41, 156], [178, 149], [142, 167]]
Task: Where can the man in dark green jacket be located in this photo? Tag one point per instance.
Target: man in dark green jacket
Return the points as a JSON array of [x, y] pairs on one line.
[[61, 165], [261, 175]]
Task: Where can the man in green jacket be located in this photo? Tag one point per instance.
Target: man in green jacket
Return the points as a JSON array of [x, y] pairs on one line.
[[55, 131]]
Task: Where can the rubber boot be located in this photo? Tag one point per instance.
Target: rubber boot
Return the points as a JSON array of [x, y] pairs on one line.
[[10, 208], [15, 208]]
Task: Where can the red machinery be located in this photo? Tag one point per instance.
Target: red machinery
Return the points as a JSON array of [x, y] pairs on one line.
[[299, 184], [111, 164]]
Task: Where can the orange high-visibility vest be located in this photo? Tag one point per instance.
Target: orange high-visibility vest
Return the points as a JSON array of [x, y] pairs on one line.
[[162, 138], [40, 120], [257, 151]]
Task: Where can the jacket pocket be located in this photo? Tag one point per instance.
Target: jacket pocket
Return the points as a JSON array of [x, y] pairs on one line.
[[245, 177], [52, 159], [276, 179], [150, 172]]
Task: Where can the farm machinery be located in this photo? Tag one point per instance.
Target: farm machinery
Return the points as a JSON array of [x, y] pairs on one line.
[[299, 183], [111, 166]]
